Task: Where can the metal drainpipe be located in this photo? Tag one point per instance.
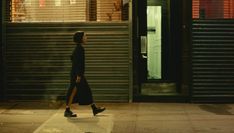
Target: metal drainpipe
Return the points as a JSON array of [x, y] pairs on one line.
[[130, 52], [3, 24]]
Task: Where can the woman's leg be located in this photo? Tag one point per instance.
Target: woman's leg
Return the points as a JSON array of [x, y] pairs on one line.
[[95, 109], [70, 98]]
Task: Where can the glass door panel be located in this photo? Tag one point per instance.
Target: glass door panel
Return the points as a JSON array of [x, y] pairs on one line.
[[154, 42]]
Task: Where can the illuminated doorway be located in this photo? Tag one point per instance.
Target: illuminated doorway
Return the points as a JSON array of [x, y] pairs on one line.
[[154, 42], [160, 48]]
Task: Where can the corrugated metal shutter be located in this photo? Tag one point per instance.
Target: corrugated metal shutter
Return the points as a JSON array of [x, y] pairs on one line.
[[38, 60], [213, 59]]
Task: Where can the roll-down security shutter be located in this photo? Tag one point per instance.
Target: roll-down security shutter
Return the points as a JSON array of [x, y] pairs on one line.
[[38, 60], [213, 60]]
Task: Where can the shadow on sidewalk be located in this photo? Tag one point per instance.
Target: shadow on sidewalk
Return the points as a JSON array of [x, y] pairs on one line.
[[219, 109]]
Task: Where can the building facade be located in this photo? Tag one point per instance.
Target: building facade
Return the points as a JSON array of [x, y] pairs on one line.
[[154, 50]]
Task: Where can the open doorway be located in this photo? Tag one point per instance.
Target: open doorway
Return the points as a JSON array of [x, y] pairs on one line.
[[159, 52]]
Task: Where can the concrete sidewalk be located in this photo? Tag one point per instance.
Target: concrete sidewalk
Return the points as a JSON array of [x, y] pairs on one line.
[[38, 117]]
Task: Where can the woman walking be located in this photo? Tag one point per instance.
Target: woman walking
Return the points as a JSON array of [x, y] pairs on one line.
[[79, 90]]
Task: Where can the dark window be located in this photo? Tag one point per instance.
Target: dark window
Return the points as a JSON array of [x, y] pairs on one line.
[[68, 10]]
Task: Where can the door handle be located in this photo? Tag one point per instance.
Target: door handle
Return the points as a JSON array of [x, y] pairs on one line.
[[144, 45]]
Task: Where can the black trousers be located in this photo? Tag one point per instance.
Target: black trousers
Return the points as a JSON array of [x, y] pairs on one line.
[[83, 95]]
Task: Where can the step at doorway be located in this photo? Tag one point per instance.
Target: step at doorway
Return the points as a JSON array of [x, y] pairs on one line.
[[153, 89]]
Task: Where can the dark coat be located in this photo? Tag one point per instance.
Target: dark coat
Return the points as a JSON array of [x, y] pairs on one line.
[[84, 94], [78, 61]]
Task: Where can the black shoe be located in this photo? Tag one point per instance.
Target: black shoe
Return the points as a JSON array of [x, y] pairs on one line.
[[69, 113], [97, 110]]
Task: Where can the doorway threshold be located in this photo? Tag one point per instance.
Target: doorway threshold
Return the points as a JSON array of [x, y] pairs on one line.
[[160, 92], [175, 98], [153, 89]]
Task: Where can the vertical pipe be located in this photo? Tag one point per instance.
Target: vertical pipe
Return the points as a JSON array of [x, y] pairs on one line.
[[130, 52], [188, 28], [3, 49], [1, 78]]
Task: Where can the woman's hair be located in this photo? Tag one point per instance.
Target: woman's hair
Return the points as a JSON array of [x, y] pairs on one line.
[[78, 36]]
